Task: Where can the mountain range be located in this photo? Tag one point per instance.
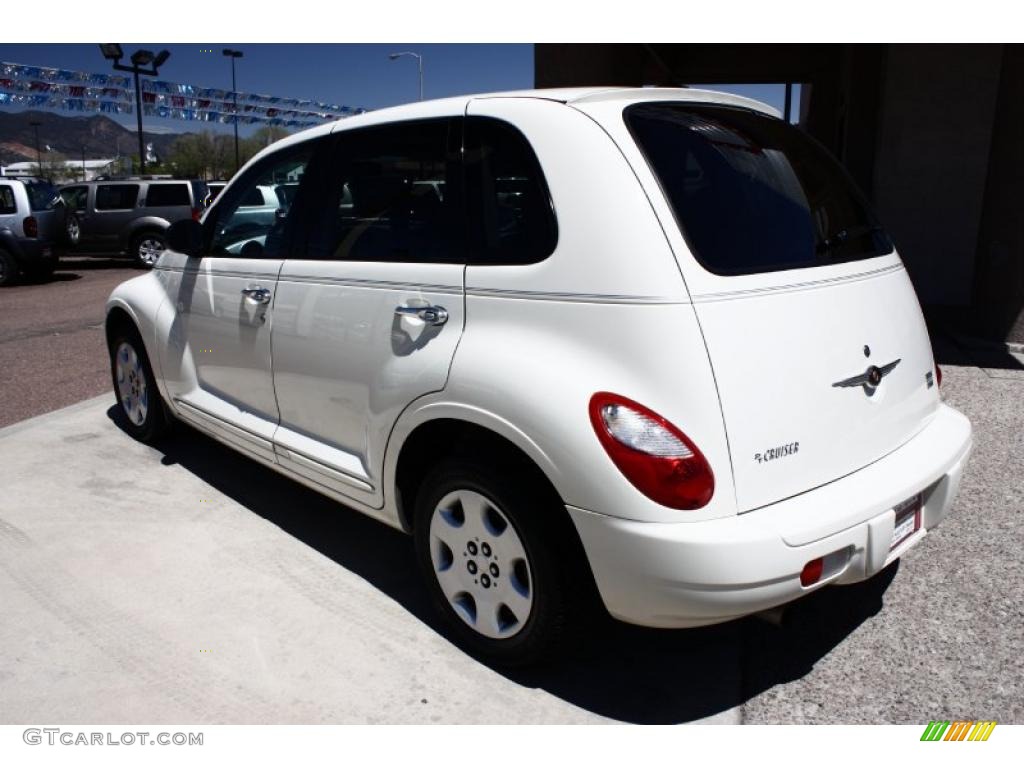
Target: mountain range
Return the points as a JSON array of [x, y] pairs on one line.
[[96, 135]]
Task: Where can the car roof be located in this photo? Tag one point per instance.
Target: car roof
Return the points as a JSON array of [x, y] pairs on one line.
[[454, 105]]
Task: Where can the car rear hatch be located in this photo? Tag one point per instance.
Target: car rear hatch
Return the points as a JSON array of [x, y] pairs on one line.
[[47, 209], [816, 339]]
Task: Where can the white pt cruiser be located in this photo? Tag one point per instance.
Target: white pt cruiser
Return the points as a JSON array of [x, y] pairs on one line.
[[650, 345]]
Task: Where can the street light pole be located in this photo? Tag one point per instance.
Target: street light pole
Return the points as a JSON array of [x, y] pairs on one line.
[[232, 54], [419, 60], [140, 59], [138, 117], [39, 155]]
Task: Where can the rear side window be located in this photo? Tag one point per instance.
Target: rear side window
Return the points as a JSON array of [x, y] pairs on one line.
[[42, 196], [160, 195], [391, 194], [510, 213], [116, 197], [752, 193], [253, 198], [7, 204]]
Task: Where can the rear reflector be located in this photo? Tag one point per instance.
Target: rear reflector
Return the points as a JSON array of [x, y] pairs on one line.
[[196, 214], [938, 375], [653, 454], [31, 227], [811, 573]]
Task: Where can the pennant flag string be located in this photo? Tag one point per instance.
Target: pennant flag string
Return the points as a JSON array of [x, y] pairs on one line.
[[73, 91]]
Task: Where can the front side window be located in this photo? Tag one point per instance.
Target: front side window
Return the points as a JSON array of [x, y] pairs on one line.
[[7, 204], [75, 197], [161, 195], [391, 195], [116, 197], [510, 213], [250, 224], [752, 193]]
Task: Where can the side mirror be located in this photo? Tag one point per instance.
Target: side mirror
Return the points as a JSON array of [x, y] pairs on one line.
[[186, 236]]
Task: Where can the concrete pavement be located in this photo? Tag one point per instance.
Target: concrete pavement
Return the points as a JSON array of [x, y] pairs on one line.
[[187, 584]]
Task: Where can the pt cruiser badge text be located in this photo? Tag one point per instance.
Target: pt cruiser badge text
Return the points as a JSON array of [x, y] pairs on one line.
[[777, 453], [54, 736]]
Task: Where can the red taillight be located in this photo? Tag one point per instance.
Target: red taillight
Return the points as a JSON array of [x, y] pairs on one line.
[[31, 227], [938, 375], [811, 573], [196, 213], [653, 454]]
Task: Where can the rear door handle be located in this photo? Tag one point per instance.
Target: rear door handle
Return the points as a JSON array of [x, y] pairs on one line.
[[431, 315], [257, 295]]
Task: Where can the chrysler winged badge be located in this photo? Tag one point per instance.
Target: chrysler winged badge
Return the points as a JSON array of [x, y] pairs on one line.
[[871, 378]]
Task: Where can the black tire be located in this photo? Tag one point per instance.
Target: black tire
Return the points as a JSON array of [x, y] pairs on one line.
[[148, 423], [553, 574], [8, 269], [143, 247]]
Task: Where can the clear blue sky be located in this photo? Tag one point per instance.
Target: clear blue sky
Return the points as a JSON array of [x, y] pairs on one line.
[[356, 75]]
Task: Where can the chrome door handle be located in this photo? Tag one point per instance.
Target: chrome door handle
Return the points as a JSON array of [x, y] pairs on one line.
[[257, 295], [430, 315]]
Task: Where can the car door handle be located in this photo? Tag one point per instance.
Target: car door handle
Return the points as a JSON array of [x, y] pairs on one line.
[[257, 295], [430, 315]]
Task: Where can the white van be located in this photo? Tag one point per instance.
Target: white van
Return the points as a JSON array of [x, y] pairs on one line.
[[649, 344]]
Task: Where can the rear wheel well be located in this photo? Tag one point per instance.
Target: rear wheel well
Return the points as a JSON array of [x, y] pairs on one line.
[[443, 439]]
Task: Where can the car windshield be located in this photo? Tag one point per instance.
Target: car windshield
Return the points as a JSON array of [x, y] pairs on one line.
[[42, 196], [752, 193]]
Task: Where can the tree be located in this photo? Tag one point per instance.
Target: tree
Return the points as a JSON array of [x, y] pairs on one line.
[[53, 166]]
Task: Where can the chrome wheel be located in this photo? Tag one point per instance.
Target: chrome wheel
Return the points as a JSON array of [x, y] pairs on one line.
[[132, 388], [74, 230], [149, 250], [481, 565]]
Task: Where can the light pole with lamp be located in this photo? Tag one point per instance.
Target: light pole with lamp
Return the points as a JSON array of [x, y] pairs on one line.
[[141, 58], [419, 60], [234, 93], [39, 155]]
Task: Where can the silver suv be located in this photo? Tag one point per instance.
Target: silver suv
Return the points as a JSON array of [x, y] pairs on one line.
[[129, 216], [30, 220]]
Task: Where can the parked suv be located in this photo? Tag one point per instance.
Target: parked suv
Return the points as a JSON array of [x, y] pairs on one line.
[[129, 216], [30, 221], [646, 344]]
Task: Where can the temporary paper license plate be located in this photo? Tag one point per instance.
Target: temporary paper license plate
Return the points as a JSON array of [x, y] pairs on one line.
[[908, 520]]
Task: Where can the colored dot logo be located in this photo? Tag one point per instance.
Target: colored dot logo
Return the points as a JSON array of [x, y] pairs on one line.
[[206, 50], [206, 650]]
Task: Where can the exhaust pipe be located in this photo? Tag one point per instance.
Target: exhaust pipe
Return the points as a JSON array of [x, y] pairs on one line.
[[775, 616]]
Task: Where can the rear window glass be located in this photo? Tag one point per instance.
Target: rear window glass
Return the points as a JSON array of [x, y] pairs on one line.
[[7, 203], [167, 194], [752, 193], [116, 197], [42, 196]]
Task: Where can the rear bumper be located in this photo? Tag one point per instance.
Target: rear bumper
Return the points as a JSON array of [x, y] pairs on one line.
[[31, 252], [691, 574]]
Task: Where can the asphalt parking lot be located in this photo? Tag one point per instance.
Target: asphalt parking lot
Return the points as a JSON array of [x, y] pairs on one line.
[[51, 337], [186, 584]]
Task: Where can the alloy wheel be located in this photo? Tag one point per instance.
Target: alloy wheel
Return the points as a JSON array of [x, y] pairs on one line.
[[480, 564], [132, 388], [149, 250]]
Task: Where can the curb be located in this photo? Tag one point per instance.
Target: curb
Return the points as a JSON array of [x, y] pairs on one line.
[[33, 421]]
